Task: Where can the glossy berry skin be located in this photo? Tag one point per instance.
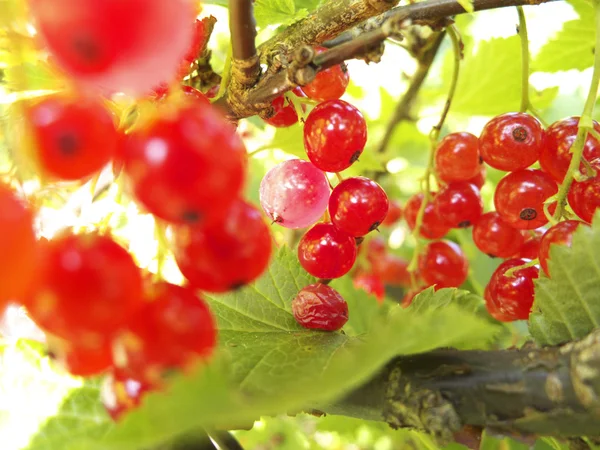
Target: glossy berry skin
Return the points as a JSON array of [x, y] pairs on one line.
[[494, 237], [88, 287], [175, 169], [443, 264], [116, 45], [556, 156], [511, 298], [584, 196], [371, 284], [121, 393], [74, 136], [175, 329], [358, 205], [226, 255], [391, 270], [511, 141], [18, 247], [531, 247], [432, 226], [394, 214], [320, 307], [329, 84], [294, 193], [520, 197], [326, 252], [285, 114], [559, 234], [335, 134], [457, 157], [479, 180], [458, 205]]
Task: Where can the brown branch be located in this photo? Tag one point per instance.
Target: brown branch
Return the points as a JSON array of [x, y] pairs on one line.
[[245, 64]]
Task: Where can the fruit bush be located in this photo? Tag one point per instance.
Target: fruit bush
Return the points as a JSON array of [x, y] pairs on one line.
[[221, 229]]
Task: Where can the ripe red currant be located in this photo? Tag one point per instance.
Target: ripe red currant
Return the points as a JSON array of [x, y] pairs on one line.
[[391, 270], [175, 171], [556, 155], [511, 141], [329, 84], [174, 329], [18, 247], [494, 237], [371, 284], [394, 214], [559, 234], [84, 361], [584, 196], [431, 227], [479, 180], [226, 255], [458, 205], [520, 197], [443, 264], [357, 206], [335, 134], [75, 136], [88, 287], [457, 157], [285, 114], [320, 307], [120, 393], [511, 298], [326, 252], [531, 248]]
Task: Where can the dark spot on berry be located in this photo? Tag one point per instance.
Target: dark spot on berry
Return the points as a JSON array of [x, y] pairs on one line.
[[324, 280], [191, 216], [359, 240], [374, 226], [344, 67], [355, 156], [68, 144], [237, 285], [50, 354], [86, 48], [480, 160], [491, 256], [464, 224], [276, 219], [520, 134], [528, 214]]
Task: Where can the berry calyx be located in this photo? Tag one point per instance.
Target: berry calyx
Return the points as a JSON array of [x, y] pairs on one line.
[[458, 205], [335, 134], [584, 196], [511, 298], [520, 197], [457, 157], [559, 234], [443, 263], [326, 252], [226, 255], [329, 84], [496, 238], [371, 284], [320, 307], [432, 226], [285, 114], [511, 141], [358, 205], [294, 194]]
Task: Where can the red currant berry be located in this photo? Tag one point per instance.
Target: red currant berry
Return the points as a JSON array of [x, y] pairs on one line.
[[371, 284], [584, 196], [394, 214], [320, 307], [376, 249], [458, 205], [492, 308], [556, 155], [89, 286], [226, 255], [326, 252], [329, 84], [84, 361], [74, 136], [175, 171], [479, 180], [173, 330], [511, 141], [432, 226], [391, 270], [335, 134], [511, 298], [443, 264], [559, 234], [18, 247], [457, 157], [494, 237], [531, 248], [285, 114], [120, 394], [119, 46], [357, 206], [520, 197]]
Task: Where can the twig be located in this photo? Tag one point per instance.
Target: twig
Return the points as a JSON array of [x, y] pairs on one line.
[[522, 30]]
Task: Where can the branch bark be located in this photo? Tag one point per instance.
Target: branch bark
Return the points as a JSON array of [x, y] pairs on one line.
[[550, 391], [245, 64]]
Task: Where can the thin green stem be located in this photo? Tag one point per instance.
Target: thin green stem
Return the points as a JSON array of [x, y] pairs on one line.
[[585, 125], [509, 273], [525, 104]]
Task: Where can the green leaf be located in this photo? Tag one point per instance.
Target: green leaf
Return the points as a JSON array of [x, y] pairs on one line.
[[467, 5], [430, 300], [573, 46], [289, 140], [277, 12], [566, 305]]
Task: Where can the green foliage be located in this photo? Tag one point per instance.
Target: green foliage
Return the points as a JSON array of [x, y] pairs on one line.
[[567, 304], [282, 12], [573, 46]]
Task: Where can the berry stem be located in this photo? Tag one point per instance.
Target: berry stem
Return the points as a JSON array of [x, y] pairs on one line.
[[522, 29], [510, 272], [585, 125]]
